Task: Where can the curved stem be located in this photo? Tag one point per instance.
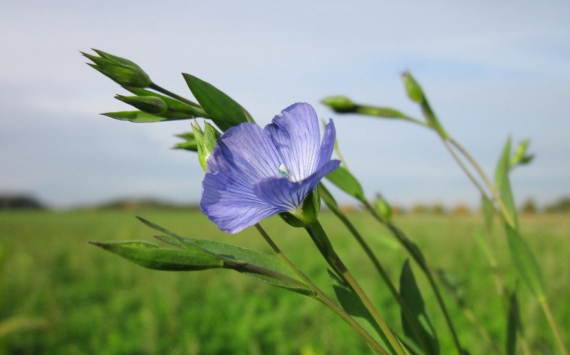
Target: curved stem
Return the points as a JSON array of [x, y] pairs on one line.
[[322, 297], [488, 182], [424, 266], [464, 168], [403, 306], [317, 233], [554, 327]]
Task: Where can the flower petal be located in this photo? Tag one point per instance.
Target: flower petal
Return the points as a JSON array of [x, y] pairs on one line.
[[247, 150], [295, 134], [230, 205], [243, 155], [287, 195], [327, 145]]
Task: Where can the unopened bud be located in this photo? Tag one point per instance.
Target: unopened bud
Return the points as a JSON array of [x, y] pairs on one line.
[[383, 207], [340, 104], [122, 71], [413, 88], [148, 104]]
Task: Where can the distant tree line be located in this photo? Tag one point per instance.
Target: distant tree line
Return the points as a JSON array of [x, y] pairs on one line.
[[20, 202]]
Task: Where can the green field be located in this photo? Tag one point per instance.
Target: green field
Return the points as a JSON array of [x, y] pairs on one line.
[[60, 295]]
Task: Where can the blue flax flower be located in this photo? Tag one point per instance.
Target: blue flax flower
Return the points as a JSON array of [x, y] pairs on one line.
[[255, 173]]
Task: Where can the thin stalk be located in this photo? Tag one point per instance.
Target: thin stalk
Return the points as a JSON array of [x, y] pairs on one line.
[[552, 322], [424, 266], [488, 182], [510, 222], [322, 297], [316, 232], [173, 95], [403, 306], [464, 168]]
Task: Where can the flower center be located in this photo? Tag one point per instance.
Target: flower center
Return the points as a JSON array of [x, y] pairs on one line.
[[283, 171]]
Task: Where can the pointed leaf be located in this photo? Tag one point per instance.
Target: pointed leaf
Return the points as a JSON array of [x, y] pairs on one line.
[[265, 267], [153, 257], [353, 305], [143, 117], [503, 183], [220, 108], [413, 299], [345, 181], [525, 263]]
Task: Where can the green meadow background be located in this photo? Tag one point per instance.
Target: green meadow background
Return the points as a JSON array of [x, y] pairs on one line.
[[60, 295]]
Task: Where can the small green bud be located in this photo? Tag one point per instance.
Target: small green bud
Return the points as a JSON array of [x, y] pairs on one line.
[[206, 142], [520, 157], [413, 88], [122, 71], [340, 104], [306, 214], [148, 104], [383, 207]]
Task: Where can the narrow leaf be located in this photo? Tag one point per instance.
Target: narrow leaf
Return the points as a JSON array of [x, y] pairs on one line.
[[153, 257], [525, 263], [345, 181], [143, 117], [265, 267], [220, 108], [503, 183], [413, 299], [354, 306]]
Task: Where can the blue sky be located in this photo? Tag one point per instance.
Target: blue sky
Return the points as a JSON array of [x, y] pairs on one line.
[[490, 70]]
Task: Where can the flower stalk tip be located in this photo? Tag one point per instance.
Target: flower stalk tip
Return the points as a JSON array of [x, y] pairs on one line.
[[120, 70]]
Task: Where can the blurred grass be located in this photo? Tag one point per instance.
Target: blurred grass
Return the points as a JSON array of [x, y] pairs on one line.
[[79, 299]]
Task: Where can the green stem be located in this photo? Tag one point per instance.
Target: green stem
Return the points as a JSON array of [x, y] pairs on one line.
[[322, 297], [317, 233], [403, 306], [424, 266], [463, 167], [490, 185], [173, 95], [555, 330]]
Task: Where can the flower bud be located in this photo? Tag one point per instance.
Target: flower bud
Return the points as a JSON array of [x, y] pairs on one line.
[[520, 157], [122, 71], [340, 104], [306, 214], [383, 207], [206, 141], [413, 88], [148, 104]]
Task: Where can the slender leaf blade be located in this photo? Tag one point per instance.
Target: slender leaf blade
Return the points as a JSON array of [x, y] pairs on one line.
[[412, 297], [503, 182], [525, 263], [143, 117], [265, 267], [151, 256]]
